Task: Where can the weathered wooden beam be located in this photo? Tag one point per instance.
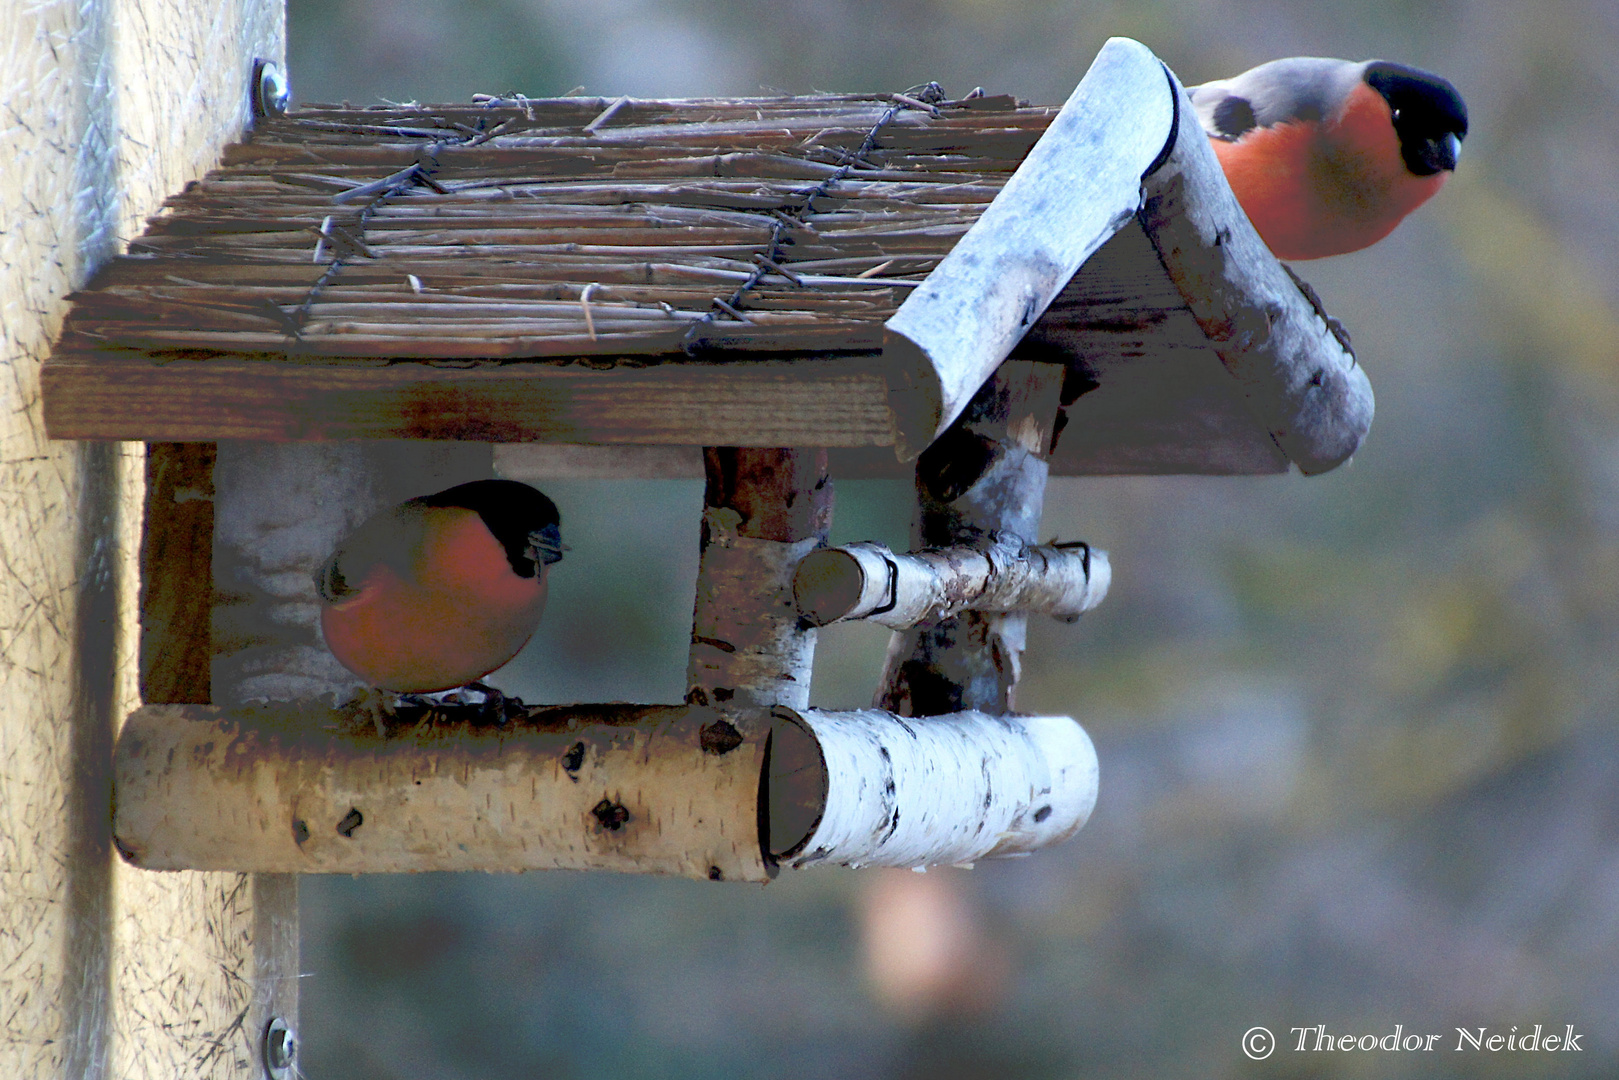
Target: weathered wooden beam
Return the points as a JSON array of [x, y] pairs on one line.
[[868, 581], [763, 511], [984, 477], [535, 463], [286, 788], [824, 401], [1079, 184], [946, 790], [1179, 421], [1290, 359]]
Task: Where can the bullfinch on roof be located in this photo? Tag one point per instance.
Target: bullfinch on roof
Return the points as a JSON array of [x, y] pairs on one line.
[[1328, 156]]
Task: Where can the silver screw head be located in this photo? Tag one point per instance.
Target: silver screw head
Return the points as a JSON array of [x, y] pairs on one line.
[[280, 1049], [271, 91]]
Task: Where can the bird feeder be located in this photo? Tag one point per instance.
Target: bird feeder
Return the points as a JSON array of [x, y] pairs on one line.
[[765, 292]]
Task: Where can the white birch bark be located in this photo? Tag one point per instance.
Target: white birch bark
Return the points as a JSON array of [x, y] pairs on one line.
[[947, 790], [1294, 368], [868, 581], [746, 638], [1079, 184], [764, 509]]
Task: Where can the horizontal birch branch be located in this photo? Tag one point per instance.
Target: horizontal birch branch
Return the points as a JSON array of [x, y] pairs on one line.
[[946, 790], [688, 790], [868, 581]]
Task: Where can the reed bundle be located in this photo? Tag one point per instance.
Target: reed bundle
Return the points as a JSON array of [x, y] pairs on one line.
[[513, 228]]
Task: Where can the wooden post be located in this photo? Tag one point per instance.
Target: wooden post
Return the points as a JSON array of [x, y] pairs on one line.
[[109, 972], [984, 477], [763, 511]]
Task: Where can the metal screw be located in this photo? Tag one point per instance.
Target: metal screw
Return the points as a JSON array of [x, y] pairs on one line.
[[280, 1049], [271, 92]]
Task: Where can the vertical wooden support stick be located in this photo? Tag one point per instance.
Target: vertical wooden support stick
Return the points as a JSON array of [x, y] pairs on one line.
[[985, 475], [177, 576], [763, 511]]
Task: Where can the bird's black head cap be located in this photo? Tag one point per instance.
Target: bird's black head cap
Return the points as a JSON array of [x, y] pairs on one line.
[[1429, 115], [524, 521]]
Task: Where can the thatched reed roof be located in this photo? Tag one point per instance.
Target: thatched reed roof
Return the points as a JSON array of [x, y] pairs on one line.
[[780, 225]]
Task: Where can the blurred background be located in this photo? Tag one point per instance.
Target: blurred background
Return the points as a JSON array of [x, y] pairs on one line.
[[1359, 759]]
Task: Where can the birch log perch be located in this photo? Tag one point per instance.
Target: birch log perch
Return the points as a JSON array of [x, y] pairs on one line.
[[1079, 184], [947, 790], [293, 788], [868, 581], [1298, 376], [763, 511]]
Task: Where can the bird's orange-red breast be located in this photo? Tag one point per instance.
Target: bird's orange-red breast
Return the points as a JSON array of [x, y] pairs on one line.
[[440, 590], [1328, 156]]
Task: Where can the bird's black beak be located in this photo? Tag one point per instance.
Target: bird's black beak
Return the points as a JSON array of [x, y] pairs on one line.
[[545, 545], [1442, 153]]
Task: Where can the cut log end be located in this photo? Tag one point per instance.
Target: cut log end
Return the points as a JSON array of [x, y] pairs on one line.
[[828, 585], [794, 796]]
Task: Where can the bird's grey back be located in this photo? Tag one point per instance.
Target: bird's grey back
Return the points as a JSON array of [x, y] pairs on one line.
[[389, 536], [1296, 88]]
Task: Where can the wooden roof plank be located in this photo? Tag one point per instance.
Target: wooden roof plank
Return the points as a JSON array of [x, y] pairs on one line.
[[812, 402]]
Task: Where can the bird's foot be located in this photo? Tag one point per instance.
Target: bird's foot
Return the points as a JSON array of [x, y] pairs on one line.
[[372, 707], [476, 701]]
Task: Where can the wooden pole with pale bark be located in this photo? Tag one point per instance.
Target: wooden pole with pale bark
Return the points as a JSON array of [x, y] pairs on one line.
[[984, 478], [763, 511]]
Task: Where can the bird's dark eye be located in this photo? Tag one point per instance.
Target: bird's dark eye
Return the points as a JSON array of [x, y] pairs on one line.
[[1396, 116]]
